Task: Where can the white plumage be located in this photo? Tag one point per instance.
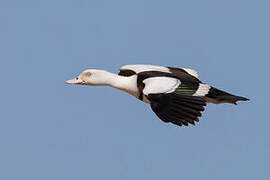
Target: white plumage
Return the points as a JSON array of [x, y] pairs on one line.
[[156, 85]]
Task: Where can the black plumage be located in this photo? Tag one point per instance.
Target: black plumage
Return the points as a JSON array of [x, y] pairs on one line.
[[182, 77], [182, 72], [177, 109], [126, 73], [224, 97]]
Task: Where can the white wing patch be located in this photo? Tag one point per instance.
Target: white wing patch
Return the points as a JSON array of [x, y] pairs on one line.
[[156, 85], [141, 68], [202, 90], [192, 72]]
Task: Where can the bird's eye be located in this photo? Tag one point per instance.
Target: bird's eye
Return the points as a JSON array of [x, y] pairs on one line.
[[77, 78]]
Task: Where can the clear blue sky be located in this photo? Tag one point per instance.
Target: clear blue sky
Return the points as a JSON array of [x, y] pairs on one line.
[[52, 131]]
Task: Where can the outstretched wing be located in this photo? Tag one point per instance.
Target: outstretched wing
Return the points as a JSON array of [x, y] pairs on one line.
[[172, 101]]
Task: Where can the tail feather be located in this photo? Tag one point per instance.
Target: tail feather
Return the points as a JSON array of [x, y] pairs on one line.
[[218, 96]]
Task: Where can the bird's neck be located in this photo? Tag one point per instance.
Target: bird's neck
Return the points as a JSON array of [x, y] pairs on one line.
[[127, 84]]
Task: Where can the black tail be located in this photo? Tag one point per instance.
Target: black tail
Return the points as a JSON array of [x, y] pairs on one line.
[[217, 96]]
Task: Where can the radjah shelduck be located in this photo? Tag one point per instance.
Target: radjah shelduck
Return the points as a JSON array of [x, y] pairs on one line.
[[176, 95]]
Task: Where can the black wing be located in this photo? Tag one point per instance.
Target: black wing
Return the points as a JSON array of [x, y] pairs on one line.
[[183, 72], [177, 109]]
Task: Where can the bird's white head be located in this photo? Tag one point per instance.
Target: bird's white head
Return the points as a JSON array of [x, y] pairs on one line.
[[91, 77]]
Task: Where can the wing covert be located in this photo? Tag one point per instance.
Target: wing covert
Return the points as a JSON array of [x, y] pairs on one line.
[[156, 85]]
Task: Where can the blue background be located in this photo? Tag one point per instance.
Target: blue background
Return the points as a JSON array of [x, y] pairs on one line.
[[51, 131]]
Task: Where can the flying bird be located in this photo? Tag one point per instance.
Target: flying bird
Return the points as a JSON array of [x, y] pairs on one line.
[[176, 95]]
